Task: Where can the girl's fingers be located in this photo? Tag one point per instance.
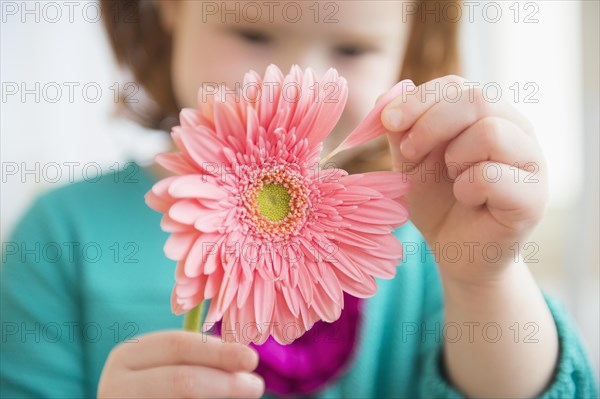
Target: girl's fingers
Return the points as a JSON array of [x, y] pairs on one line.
[[400, 114], [440, 110], [184, 347], [446, 120], [403, 112], [514, 203], [493, 139], [195, 382]]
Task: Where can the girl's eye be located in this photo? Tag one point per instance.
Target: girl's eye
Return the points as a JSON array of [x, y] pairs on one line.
[[254, 36], [351, 51]]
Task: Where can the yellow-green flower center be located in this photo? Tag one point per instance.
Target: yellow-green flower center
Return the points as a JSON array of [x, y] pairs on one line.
[[274, 201]]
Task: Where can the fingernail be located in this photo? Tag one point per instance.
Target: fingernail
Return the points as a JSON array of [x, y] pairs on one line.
[[407, 147], [252, 381], [393, 116], [452, 173]]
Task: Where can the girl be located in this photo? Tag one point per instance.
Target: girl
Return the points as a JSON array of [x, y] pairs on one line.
[[78, 326]]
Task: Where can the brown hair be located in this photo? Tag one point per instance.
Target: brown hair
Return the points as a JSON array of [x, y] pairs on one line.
[[143, 47]]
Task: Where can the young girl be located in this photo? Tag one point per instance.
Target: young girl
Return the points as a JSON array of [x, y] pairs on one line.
[[81, 324]]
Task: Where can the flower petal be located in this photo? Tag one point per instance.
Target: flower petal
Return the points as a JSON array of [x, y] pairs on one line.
[[390, 184], [210, 221], [330, 253], [292, 299], [175, 163], [227, 121], [354, 239], [270, 93], [331, 286], [196, 186], [203, 146], [158, 203], [196, 258], [383, 210], [304, 283], [264, 301], [172, 226], [326, 308], [283, 319], [175, 306], [373, 264], [244, 291], [333, 95], [214, 279], [189, 117], [365, 288], [178, 244], [228, 289], [371, 127], [186, 211]]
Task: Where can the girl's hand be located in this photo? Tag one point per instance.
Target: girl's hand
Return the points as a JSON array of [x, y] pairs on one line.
[[477, 172], [180, 364]]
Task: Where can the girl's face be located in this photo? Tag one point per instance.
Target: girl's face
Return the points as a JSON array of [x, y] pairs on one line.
[[217, 42]]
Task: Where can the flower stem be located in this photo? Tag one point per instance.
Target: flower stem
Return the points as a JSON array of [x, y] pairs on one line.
[[192, 319]]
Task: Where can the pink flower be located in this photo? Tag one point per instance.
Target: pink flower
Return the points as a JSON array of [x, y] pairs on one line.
[[256, 226]]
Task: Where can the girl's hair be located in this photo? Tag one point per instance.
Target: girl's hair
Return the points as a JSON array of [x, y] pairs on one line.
[[143, 48]]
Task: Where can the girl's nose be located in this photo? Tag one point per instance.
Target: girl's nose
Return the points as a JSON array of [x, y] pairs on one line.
[[310, 56]]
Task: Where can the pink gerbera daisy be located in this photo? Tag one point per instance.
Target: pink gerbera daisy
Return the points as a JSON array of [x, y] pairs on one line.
[[256, 225]]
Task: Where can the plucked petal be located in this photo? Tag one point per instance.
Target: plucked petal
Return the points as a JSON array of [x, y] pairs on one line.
[[371, 127], [389, 184], [386, 210]]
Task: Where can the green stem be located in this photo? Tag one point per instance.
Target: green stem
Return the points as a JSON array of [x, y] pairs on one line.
[[191, 320]]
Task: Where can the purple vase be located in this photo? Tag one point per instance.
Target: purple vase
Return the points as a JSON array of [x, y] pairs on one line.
[[312, 361]]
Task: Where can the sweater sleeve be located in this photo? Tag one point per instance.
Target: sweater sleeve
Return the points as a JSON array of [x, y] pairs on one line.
[[573, 377], [42, 355]]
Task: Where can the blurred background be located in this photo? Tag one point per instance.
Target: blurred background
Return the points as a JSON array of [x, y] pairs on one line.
[[58, 98]]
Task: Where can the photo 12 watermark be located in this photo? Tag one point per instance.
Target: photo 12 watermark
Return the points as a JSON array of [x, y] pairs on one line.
[[491, 12], [71, 12], [56, 332], [54, 252], [68, 171], [250, 12], [55, 92]]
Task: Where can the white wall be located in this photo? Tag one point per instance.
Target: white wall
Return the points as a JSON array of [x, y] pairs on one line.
[[64, 126]]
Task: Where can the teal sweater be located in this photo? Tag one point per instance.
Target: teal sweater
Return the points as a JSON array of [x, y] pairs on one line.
[[85, 270]]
